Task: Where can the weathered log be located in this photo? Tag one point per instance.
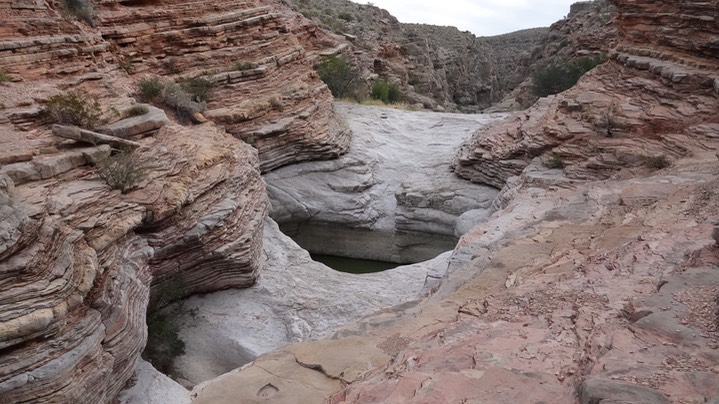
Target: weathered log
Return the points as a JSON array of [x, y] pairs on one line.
[[88, 136]]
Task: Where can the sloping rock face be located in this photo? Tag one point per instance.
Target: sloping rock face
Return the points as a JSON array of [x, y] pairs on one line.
[[597, 282], [588, 29], [514, 53], [651, 100], [78, 260], [435, 66], [392, 197], [580, 293]]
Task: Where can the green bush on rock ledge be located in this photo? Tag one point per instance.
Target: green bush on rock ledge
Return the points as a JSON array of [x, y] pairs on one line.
[[387, 92], [342, 79], [73, 108], [124, 170], [555, 77]]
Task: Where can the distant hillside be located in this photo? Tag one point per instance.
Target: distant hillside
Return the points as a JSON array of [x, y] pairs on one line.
[[445, 68]]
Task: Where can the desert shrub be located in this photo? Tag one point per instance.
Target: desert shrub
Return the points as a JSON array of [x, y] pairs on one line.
[[163, 331], [126, 65], [123, 170], [656, 162], [389, 93], [4, 77], [608, 121], [199, 88], [555, 77], [74, 108], [150, 88], [175, 97], [136, 110], [245, 66], [555, 161], [346, 16], [170, 66], [395, 93], [342, 79], [277, 104], [82, 9]]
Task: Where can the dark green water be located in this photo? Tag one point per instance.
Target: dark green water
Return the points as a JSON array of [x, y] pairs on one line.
[[352, 265]]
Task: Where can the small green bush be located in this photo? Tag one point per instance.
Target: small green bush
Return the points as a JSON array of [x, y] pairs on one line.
[[150, 88], [4, 77], [175, 97], [245, 66], [555, 77], [346, 16], [342, 79], [555, 161], [124, 170], [163, 331], [199, 88], [389, 93], [656, 162], [82, 9], [126, 65], [276, 104], [136, 110], [74, 108]]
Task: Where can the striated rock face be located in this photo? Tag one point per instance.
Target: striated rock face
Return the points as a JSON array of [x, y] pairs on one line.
[[599, 291], [78, 260], [597, 280], [650, 100], [268, 93]]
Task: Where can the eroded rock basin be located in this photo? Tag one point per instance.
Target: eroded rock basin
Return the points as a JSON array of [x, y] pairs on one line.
[[393, 198]]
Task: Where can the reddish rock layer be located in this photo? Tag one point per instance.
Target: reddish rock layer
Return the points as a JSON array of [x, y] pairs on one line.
[[77, 258], [650, 100]]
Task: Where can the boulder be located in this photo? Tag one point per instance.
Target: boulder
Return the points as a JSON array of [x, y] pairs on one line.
[[154, 119], [597, 391]]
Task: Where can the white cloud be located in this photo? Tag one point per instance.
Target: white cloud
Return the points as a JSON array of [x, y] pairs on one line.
[[482, 17]]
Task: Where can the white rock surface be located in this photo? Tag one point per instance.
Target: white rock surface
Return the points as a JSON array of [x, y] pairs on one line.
[[392, 197], [152, 387], [295, 299]]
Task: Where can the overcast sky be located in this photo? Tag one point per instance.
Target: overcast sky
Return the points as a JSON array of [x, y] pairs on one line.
[[481, 17]]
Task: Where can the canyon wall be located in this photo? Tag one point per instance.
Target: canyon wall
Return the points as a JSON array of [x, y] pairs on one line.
[[657, 93], [595, 281], [438, 67], [78, 260]]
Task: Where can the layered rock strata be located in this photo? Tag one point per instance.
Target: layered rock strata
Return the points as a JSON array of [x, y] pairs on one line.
[[573, 293], [596, 281], [77, 259], [245, 47], [650, 100], [392, 197]]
